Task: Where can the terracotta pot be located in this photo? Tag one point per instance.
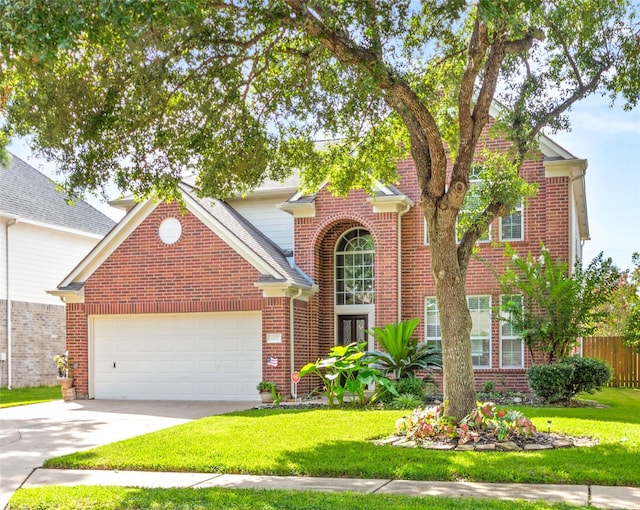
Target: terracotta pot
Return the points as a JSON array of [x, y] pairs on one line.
[[65, 382], [267, 397]]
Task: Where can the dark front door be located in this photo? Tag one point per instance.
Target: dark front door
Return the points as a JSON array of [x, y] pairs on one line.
[[352, 328]]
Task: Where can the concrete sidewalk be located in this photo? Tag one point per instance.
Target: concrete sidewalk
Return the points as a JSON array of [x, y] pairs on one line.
[[31, 434], [594, 496]]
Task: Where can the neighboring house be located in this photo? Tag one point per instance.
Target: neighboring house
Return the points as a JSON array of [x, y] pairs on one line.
[[205, 304], [41, 239]]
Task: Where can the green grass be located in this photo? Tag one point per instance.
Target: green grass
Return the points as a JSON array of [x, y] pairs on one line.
[[336, 442], [25, 396], [106, 498]]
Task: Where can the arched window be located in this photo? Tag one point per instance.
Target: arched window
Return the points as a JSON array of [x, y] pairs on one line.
[[354, 268]]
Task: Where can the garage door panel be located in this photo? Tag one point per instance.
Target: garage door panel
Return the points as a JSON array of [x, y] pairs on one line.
[[177, 356]]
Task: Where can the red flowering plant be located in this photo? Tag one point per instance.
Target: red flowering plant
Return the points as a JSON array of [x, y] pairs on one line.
[[487, 420], [427, 423]]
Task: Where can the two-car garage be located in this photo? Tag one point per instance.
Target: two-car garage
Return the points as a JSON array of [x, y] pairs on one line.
[[188, 356]]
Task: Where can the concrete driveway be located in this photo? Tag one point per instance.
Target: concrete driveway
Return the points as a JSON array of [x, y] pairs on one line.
[[31, 434]]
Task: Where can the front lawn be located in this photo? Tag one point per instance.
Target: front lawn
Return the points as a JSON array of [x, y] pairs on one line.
[[24, 396], [336, 442], [108, 498]]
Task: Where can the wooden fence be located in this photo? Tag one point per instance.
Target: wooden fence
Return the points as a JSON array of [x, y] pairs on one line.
[[625, 362]]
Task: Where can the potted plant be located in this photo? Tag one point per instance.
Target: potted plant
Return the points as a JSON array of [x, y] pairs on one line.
[[64, 376], [268, 390]]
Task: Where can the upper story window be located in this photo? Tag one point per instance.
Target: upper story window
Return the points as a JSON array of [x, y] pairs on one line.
[[511, 227], [471, 204], [354, 268]]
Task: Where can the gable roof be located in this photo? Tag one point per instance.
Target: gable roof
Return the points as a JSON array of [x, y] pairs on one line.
[[28, 195], [273, 264], [253, 239]]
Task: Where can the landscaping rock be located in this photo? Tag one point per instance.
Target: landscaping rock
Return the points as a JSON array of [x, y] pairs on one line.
[[562, 443], [508, 446], [438, 446], [531, 447]]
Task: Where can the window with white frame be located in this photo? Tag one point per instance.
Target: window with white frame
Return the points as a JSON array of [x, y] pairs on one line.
[[425, 232], [472, 203], [480, 309], [433, 335], [511, 226], [511, 344], [354, 268]]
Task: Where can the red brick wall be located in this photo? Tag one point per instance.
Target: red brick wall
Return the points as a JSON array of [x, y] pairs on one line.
[[546, 219], [315, 243], [199, 273]]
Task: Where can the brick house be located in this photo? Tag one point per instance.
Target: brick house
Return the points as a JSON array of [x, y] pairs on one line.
[[42, 238], [205, 303]]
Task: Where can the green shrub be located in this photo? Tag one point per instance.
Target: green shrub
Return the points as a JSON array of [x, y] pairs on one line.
[[412, 386], [406, 401], [402, 355], [560, 382], [589, 374], [407, 386], [550, 382], [488, 386]]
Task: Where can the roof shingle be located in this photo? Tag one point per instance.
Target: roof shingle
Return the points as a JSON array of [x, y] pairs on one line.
[[28, 194]]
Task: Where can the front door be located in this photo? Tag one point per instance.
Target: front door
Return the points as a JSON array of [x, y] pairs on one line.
[[352, 328]]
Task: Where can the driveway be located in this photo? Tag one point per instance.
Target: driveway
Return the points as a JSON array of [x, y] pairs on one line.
[[31, 434]]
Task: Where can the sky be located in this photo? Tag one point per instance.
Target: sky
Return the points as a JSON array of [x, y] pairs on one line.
[[608, 137]]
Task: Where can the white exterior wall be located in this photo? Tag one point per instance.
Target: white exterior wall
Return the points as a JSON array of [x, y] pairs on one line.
[[39, 258], [264, 215], [3, 259]]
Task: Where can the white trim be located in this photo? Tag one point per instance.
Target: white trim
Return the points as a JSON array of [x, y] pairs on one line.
[[500, 323], [299, 209], [490, 365], [368, 310], [230, 239], [390, 204], [109, 243], [425, 232], [335, 266], [51, 226], [131, 221], [521, 207], [285, 289]]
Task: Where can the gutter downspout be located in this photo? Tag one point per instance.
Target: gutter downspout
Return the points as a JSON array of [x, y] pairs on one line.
[[292, 353], [399, 257], [10, 223]]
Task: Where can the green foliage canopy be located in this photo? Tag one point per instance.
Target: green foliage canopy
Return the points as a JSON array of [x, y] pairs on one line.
[[237, 91]]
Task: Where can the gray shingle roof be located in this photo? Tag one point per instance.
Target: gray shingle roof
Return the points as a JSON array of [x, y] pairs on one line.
[[255, 240], [28, 194]]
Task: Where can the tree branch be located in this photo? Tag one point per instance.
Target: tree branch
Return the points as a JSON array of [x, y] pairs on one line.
[[578, 94], [396, 90]]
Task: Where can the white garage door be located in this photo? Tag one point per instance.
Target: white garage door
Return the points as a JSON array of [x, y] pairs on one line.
[[203, 356]]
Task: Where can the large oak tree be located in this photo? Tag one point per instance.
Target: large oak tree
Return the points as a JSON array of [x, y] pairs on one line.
[[238, 90]]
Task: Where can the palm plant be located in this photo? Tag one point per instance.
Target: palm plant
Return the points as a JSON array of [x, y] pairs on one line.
[[401, 354]]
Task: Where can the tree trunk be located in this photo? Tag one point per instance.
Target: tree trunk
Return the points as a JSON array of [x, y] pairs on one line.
[[455, 320], [455, 325]]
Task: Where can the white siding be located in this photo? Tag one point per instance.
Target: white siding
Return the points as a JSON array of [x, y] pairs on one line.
[[39, 259], [265, 215], [3, 259]]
